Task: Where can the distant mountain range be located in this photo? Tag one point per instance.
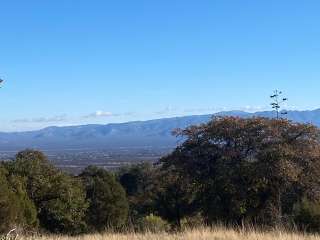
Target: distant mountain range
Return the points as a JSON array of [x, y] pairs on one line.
[[152, 133]]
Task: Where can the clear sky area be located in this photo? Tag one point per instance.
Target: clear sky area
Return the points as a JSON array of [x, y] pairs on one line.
[[79, 62]]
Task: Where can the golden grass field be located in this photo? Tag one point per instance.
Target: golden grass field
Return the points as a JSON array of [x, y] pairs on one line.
[[203, 234]]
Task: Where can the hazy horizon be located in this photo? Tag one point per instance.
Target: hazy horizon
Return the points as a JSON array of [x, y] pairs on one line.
[[161, 118]]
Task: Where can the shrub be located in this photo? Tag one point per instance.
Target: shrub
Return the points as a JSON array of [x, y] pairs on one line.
[[152, 223], [192, 222]]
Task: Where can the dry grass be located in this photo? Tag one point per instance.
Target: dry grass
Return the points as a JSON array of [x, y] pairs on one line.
[[200, 234]]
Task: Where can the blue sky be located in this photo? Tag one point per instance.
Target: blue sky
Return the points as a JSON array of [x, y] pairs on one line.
[[77, 62]]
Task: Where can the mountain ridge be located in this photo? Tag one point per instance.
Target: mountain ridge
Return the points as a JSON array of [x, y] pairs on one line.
[[150, 133]]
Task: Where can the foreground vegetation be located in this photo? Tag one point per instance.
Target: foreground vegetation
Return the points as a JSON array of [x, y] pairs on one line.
[[239, 172], [197, 234]]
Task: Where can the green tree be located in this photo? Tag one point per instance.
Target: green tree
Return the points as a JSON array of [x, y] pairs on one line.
[[175, 196], [108, 205], [28, 218], [64, 209], [16, 209], [58, 197], [153, 189], [140, 183]]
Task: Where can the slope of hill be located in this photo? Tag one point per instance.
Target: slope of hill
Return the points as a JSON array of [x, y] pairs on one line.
[[152, 133]]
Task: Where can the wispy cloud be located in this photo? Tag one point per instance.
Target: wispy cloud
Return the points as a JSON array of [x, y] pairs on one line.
[[249, 108], [289, 107], [253, 109], [60, 118], [167, 110], [204, 109], [106, 114]]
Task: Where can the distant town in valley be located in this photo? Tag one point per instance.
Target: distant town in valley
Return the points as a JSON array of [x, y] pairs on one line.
[[75, 160]]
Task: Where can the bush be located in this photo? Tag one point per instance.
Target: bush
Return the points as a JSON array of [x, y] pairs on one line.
[[153, 224], [193, 222]]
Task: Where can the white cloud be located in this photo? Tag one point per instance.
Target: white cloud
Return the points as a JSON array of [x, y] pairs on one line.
[[103, 114], [99, 114], [254, 108]]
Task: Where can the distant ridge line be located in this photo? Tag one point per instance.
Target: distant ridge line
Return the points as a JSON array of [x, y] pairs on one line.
[[151, 133]]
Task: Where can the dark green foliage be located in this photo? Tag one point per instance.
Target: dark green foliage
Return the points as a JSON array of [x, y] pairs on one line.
[[140, 184], [108, 206], [27, 210], [8, 204], [16, 209], [64, 211], [59, 198], [36, 171], [157, 190], [175, 196]]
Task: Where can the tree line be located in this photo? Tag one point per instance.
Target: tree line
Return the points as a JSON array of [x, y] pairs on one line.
[[256, 171]]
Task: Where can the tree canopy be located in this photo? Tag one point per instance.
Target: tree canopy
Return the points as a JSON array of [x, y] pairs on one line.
[[248, 169], [58, 197], [108, 206]]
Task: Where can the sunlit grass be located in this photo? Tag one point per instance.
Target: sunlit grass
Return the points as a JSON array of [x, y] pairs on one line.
[[198, 234]]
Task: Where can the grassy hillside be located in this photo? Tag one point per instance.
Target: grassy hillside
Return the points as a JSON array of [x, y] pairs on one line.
[[201, 234]]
